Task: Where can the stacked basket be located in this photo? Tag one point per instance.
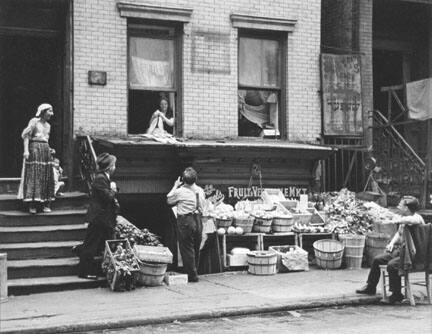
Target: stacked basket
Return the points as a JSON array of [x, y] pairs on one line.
[[246, 223], [262, 225], [223, 222]]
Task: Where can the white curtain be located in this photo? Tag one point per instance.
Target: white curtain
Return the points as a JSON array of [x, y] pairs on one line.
[[419, 99], [151, 62]]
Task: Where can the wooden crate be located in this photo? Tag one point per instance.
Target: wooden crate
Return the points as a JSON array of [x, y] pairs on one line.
[[113, 277]]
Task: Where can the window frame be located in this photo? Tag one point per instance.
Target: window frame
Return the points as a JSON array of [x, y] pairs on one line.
[[281, 37], [140, 28]]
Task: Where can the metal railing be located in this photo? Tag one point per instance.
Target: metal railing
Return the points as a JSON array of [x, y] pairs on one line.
[[87, 166]]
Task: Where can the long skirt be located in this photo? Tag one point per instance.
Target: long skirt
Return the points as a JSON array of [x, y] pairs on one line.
[[37, 178]]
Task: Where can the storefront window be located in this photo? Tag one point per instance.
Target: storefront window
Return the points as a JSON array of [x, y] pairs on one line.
[[152, 74], [259, 91]]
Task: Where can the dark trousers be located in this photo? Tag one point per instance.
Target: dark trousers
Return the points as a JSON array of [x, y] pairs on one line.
[[392, 263], [189, 235], [93, 245]]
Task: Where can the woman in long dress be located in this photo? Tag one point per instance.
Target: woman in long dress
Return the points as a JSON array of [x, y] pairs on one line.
[[37, 177]]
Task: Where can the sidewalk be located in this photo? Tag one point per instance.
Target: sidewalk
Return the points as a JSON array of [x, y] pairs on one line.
[[232, 293]]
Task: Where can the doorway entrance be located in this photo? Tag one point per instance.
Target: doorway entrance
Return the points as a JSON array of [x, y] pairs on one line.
[[32, 71]]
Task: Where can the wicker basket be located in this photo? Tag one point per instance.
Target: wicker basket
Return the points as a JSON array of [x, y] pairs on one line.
[[280, 224], [224, 223], [245, 224], [262, 225], [262, 262], [328, 253]]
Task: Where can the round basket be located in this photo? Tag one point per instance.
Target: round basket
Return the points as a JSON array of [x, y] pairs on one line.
[[225, 223], [151, 274], [262, 225], [245, 224], [262, 262], [280, 224], [328, 253]]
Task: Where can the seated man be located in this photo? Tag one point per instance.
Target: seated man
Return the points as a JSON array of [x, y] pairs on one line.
[[408, 207]]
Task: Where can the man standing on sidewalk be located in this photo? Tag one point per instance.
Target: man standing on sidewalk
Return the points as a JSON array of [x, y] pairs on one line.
[[189, 199], [408, 207]]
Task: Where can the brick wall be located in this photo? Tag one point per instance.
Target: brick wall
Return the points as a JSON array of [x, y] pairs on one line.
[[209, 99]]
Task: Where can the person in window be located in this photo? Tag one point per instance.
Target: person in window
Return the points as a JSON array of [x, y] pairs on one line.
[[189, 199], [408, 206], [101, 216], [37, 177], [160, 117]]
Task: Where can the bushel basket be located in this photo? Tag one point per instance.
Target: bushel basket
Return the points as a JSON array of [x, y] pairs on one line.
[[245, 224], [328, 253], [262, 225], [224, 223]]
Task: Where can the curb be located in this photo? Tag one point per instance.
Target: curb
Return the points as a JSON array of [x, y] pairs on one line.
[[248, 310]]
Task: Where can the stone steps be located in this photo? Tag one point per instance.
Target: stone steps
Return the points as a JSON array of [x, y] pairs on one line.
[[69, 200], [15, 218], [17, 234], [42, 267], [38, 250], [38, 247], [23, 286]]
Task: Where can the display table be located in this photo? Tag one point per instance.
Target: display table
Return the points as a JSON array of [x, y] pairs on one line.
[[324, 235], [240, 241], [281, 239]]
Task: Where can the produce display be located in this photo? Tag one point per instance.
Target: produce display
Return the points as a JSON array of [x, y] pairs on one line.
[[353, 216], [262, 214], [304, 228], [126, 230]]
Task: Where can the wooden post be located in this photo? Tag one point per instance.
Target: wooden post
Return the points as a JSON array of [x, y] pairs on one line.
[[427, 192], [3, 278]]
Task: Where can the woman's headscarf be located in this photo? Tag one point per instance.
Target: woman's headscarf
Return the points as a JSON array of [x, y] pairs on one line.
[[42, 107]]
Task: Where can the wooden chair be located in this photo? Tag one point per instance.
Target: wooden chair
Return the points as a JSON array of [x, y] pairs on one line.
[[423, 247], [406, 284]]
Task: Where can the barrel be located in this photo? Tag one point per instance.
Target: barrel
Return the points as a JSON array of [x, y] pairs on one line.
[[375, 245], [262, 262], [151, 273], [3, 278], [280, 224], [354, 247]]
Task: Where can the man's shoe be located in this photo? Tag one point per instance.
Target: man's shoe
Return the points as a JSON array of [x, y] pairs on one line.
[[193, 279], [395, 298], [366, 290], [32, 210]]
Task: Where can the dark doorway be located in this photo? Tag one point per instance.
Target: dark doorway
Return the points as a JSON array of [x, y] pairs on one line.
[[387, 69], [32, 44]]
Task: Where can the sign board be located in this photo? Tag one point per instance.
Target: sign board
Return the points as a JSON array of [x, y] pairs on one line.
[[341, 94], [233, 194]]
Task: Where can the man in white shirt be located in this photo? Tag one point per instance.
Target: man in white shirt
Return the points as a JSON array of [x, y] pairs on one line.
[[189, 199]]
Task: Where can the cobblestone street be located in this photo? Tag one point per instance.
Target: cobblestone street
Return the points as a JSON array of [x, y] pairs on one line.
[[363, 319]]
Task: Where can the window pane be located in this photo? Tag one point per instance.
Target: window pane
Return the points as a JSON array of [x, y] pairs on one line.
[[258, 62], [258, 111], [270, 63], [250, 62], [151, 62]]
